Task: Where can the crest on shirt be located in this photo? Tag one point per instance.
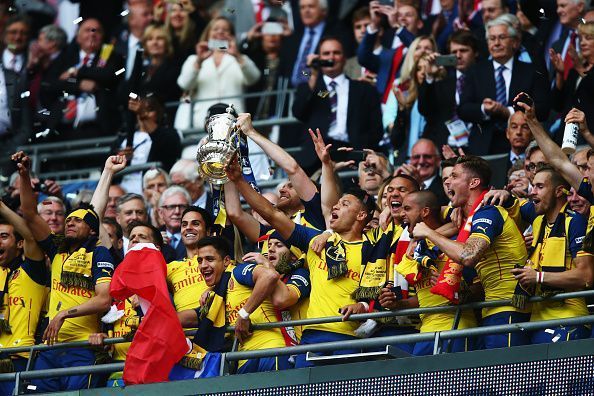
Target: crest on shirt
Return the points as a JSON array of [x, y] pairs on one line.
[[336, 253]]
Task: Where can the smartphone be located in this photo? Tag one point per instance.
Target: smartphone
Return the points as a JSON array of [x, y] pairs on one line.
[[272, 28], [218, 44], [387, 2], [342, 156], [446, 60], [524, 98]]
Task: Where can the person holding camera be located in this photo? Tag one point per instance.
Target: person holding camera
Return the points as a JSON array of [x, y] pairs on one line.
[[346, 111], [217, 70]]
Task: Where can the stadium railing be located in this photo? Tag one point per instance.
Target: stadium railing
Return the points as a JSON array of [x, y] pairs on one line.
[[436, 337]]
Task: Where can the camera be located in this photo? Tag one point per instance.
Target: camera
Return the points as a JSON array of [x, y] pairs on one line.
[[318, 63]]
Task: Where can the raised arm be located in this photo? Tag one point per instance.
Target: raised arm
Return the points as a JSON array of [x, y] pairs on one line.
[[301, 182], [38, 227], [113, 165], [467, 254], [329, 190], [579, 117], [31, 248], [550, 149], [245, 222], [273, 216], [577, 278]]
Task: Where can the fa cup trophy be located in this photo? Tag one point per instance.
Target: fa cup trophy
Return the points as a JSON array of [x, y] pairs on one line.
[[220, 146]]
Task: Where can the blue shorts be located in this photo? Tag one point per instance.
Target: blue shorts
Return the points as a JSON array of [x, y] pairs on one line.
[[62, 358], [7, 387], [317, 336], [211, 367], [503, 340], [424, 348], [558, 334], [394, 331], [261, 365]]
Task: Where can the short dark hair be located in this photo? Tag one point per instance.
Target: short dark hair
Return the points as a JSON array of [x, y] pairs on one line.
[[365, 199], [204, 213], [17, 236], [464, 37], [219, 243], [157, 237], [112, 222], [360, 13], [478, 166], [330, 38], [556, 178], [447, 163], [152, 103], [411, 179], [427, 199]]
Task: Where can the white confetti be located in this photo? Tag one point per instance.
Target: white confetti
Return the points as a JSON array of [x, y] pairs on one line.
[[123, 69], [541, 10], [124, 13], [556, 338], [31, 387], [550, 331], [42, 133], [25, 94], [77, 21]]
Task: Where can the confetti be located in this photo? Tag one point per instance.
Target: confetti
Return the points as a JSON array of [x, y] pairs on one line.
[[44, 112], [323, 94], [77, 21], [32, 387], [583, 20], [550, 331], [117, 73], [124, 13], [25, 94], [12, 9], [556, 338], [38, 135], [305, 73]]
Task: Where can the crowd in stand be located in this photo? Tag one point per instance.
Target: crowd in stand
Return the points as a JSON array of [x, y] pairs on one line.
[[412, 94]]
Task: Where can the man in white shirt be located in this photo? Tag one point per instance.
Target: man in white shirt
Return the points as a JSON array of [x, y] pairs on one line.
[[172, 204], [426, 160], [139, 17], [519, 136]]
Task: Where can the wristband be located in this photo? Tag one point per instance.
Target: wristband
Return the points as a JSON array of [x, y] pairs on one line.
[[329, 231], [243, 314], [540, 277], [365, 305]]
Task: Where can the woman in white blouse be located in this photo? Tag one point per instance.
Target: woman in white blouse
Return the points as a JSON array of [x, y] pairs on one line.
[[213, 73]]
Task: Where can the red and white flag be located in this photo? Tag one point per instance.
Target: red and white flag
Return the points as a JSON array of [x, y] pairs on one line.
[[159, 341]]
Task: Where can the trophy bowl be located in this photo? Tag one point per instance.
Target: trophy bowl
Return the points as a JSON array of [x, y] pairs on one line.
[[218, 149]]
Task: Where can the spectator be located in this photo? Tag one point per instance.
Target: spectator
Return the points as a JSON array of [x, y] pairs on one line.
[[490, 10], [154, 182], [184, 173], [372, 173], [517, 181], [215, 71], [15, 40], [172, 204], [347, 112], [115, 192], [438, 99], [182, 29], [153, 142], [86, 71], [442, 25], [352, 68], [157, 75], [490, 87], [389, 61], [570, 14], [426, 159], [519, 136], [533, 158], [130, 207], [116, 235], [53, 211], [140, 15], [401, 112]]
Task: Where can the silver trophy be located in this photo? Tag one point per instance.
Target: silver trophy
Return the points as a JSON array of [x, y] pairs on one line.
[[220, 146]]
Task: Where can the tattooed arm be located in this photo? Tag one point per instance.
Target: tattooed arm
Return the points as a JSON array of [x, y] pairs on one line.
[[467, 254]]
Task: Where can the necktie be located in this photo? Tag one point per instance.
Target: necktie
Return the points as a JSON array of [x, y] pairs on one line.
[[460, 85], [72, 103], [302, 71], [86, 60], [173, 241], [13, 63], [260, 8], [501, 93], [333, 104], [568, 62]]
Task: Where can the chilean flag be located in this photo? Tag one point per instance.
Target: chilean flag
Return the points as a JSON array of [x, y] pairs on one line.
[[159, 341]]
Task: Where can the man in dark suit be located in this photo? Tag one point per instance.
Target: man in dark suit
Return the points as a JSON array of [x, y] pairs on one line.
[[172, 204], [15, 118], [347, 112], [570, 14], [184, 173], [79, 88], [425, 157], [490, 87], [519, 136], [438, 99], [129, 39]]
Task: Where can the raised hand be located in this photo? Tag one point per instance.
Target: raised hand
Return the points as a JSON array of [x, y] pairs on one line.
[[115, 163], [23, 162], [322, 149], [233, 169]]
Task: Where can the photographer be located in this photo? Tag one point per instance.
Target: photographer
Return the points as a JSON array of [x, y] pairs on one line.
[[346, 111]]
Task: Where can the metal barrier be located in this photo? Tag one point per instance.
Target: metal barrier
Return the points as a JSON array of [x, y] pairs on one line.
[[437, 337]]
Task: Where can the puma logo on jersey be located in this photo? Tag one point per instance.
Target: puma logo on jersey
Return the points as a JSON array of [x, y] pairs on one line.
[[483, 229]]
